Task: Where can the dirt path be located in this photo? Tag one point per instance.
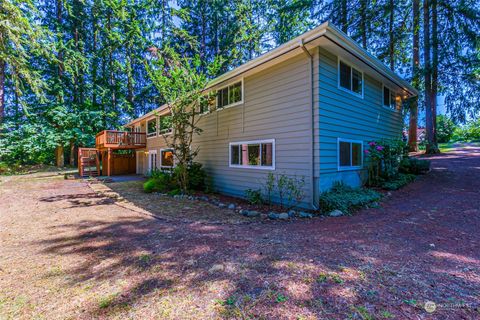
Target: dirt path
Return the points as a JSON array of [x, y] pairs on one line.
[[68, 253]]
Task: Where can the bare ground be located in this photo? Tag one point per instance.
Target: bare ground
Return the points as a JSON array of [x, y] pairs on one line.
[[70, 252]]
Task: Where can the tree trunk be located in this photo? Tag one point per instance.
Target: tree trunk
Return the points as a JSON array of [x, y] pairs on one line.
[[427, 75], [72, 153], [391, 44], [60, 159], [429, 108], [344, 16], [2, 90], [363, 22], [413, 123], [434, 71]]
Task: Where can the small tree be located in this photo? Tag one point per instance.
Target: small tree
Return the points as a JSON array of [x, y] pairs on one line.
[[445, 128], [179, 81]]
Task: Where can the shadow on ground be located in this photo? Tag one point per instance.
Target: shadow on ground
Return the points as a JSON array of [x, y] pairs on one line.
[[421, 245]]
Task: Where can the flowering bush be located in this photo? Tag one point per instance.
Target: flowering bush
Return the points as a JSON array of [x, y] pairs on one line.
[[384, 160]]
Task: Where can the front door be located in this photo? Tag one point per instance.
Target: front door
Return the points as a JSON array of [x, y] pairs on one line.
[[152, 160]]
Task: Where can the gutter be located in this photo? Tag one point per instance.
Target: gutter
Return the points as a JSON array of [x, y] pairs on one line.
[[312, 128]]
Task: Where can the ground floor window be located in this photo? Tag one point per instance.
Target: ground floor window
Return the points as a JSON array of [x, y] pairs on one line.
[[166, 158], [152, 160], [350, 154], [259, 154]]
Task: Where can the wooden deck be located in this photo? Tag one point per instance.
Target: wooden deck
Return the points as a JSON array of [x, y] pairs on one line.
[[112, 139]]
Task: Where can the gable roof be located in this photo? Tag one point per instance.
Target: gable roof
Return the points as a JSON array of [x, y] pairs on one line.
[[310, 39]]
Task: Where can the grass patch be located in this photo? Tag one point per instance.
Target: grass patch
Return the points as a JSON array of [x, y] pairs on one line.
[[107, 301], [347, 199]]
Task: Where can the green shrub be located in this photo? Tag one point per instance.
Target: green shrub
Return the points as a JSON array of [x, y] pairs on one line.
[[398, 182], [254, 196], [288, 190], [347, 199], [167, 181], [384, 158], [159, 182], [196, 176], [149, 186], [414, 166]]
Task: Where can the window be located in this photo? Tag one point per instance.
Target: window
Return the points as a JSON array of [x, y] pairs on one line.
[[165, 122], [229, 95], [152, 128], [350, 78], [389, 98], [152, 160], [166, 158], [350, 154], [253, 154]]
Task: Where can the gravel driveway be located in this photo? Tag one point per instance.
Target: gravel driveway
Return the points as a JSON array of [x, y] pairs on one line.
[[67, 252]]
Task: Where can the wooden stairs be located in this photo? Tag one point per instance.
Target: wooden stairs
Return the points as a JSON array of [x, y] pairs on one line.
[[88, 162]]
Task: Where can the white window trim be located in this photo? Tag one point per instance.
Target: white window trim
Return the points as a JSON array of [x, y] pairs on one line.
[[232, 104], [351, 78], [395, 109], [272, 167], [156, 128], [161, 164], [348, 168], [150, 152]]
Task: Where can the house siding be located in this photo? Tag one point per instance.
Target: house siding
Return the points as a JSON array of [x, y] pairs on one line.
[[276, 105], [347, 116]]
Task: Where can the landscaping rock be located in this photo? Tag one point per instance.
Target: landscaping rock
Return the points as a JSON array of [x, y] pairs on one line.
[[283, 216], [291, 213], [336, 213], [278, 216], [249, 213], [221, 205], [303, 214], [252, 213], [216, 268], [273, 215], [203, 198], [231, 206]]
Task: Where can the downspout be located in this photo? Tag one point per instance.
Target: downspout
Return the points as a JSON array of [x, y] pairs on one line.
[[312, 128]]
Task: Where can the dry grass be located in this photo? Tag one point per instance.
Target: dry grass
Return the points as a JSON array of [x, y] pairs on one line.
[[69, 252]]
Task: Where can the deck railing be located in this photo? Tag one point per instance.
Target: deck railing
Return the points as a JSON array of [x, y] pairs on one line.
[[120, 139]]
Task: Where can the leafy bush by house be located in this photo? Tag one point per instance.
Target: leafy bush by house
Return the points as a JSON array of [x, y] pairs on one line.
[[254, 196], [384, 160], [347, 199], [167, 181], [159, 182], [196, 176], [398, 182], [414, 166], [289, 191]]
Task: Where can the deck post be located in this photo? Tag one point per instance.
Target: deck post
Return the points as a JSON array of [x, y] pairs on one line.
[[109, 161], [97, 162]]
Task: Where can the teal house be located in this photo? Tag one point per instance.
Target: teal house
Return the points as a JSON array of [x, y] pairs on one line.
[[307, 108]]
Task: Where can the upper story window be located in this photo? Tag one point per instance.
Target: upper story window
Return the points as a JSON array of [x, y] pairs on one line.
[[389, 98], [350, 154], [152, 128], [230, 95], [165, 124], [350, 78], [258, 154]]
